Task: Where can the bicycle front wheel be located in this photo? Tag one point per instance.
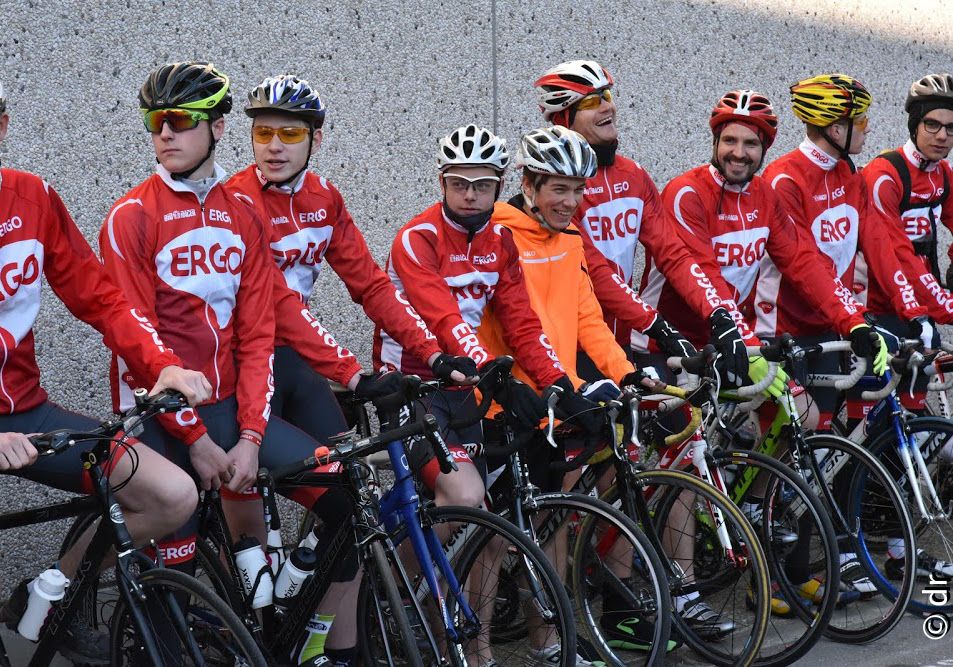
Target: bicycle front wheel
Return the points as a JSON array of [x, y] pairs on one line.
[[934, 529], [189, 624], [867, 510], [799, 542], [717, 569]]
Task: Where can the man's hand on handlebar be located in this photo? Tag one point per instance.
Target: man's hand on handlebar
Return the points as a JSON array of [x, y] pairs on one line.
[[600, 391], [670, 341], [458, 370], [867, 343], [583, 412], [758, 370], [375, 385], [192, 384], [16, 451], [727, 340], [642, 380], [522, 403], [923, 328]]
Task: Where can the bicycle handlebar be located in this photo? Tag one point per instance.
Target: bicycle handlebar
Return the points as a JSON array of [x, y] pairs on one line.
[[59, 440]]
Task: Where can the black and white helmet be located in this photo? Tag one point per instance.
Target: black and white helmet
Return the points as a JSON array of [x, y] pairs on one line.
[[931, 88], [289, 94], [472, 146], [557, 151]]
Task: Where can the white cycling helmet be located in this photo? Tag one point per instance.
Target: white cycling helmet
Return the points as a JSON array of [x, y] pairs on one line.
[[472, 146], [567, 83], [557, 151]]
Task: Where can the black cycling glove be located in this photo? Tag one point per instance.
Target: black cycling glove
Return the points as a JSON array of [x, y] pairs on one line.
[[445, 364], [728, 342], [375, 385], [670, 341], [581, 411], [522, 403], [600, 391]]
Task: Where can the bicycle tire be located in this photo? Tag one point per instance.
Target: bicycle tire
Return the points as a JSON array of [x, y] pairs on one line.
[[751, 564], [472, 531], [647, 583], [788, 508], [931, 435], [220, 634], [874, 509]]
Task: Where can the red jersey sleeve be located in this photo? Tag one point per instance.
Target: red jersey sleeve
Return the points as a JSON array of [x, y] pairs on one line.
[[685, 218], [611, 289], [254, 338], [596, 339], [369, 287], [674, 259], [295, 323], [126, 248], [884, 212], [801, 263], [881, 254]]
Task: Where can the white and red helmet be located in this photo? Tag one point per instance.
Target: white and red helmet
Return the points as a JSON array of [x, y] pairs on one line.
[[567, 83], [748, 108]]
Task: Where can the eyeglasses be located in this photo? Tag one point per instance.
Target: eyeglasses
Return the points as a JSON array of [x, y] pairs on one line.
[[861, 123], [461, 184], [179, 120], [933, 126], [593, 100], [262, 134]]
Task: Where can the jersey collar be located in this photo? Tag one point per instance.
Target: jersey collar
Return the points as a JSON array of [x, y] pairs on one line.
[[722, 183], [916, 158], [815, 154], [184, 185], [289, 189]]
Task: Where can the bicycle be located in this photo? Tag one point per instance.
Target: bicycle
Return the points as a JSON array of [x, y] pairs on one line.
[[161, 616], [731, 560], [605, 559], [391, 603], [866, 503]]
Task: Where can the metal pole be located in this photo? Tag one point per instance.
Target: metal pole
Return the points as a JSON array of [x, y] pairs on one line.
[[493, 43]]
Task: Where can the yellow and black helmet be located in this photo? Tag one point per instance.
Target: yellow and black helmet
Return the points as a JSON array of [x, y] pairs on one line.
[[186, 85], [827, 98]]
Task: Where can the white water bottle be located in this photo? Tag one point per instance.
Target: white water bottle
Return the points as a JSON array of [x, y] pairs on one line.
[[253, 565], [44, 590], [293, 573]]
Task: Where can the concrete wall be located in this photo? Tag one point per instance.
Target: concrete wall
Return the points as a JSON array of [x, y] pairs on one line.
[[396, 76]]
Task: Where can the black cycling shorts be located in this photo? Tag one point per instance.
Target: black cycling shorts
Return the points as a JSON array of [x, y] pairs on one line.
[[63, 471], [304, 398]]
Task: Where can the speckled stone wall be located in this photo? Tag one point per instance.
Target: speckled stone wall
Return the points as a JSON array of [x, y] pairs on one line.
[[396, 76]]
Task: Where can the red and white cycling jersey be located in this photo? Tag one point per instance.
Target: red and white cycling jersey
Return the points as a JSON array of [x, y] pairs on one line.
[[451, 279], [38, 237], [728, 230], [828, 202], [886, 193], [621, 208], [306, 224], [200, 271]]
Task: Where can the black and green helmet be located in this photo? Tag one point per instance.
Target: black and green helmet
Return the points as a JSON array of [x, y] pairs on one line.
[[187, 85]]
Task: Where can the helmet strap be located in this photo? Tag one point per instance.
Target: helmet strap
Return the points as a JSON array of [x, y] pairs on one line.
[[294, 177]]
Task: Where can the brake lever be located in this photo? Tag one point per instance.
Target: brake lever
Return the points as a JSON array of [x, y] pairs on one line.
[[551, 402]]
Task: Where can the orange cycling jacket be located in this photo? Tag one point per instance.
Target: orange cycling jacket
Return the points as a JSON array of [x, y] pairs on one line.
[[554, 268]]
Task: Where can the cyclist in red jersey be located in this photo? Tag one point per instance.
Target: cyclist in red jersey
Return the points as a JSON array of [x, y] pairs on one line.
[[308, 223], [821, 191], [453, 261], [194, 258], [908, 190], [39, 238], [730, 218], [621, 208]]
